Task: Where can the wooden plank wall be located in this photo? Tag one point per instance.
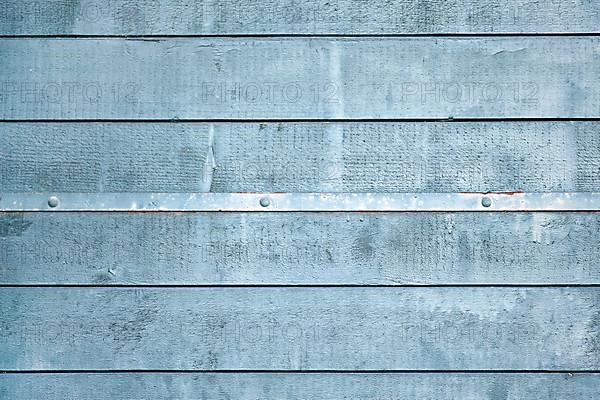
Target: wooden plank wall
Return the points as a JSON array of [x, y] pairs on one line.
[[287, 96], [301, 78], [277, 17]]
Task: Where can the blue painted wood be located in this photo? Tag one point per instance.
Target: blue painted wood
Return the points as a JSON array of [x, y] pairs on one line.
[[357, 328], [301, 157], [137, 17], [299, 248], [250, 386], [104, 158], [300, 78]]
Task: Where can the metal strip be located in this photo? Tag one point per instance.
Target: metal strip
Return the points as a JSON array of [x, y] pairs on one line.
[[282, 202]]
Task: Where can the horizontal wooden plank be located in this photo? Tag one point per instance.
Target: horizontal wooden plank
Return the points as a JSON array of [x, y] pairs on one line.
[[104, 158], [301, 157], [299, 329], [300, 78], [299, 248], [299, 386], [408, 157], [179, 17]]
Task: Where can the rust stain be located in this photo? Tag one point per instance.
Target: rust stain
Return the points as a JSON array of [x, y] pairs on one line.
[[508, 193], [516, 192]]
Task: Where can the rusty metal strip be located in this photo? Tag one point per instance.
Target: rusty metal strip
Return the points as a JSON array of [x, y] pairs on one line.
[[282, 202]]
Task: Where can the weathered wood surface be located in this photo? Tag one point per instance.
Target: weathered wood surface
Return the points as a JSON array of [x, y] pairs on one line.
[[180, 17], [104, 158], [300, 329], [300, 386], [300, 78], [299, 248], [300, 157]]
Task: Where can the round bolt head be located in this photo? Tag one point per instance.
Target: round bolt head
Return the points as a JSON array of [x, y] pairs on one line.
[[486, 202], [265, 202], [53, 202]]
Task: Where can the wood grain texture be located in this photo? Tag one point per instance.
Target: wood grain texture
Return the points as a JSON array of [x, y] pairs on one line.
[[301, 157], [103, 158], [408, 157], [208, 329], [299, 386], [300, 78], [180, 17], [299, 248]]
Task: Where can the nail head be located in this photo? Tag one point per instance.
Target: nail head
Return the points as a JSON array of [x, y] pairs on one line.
[[53, 202], [486, 202], [265, 202]]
